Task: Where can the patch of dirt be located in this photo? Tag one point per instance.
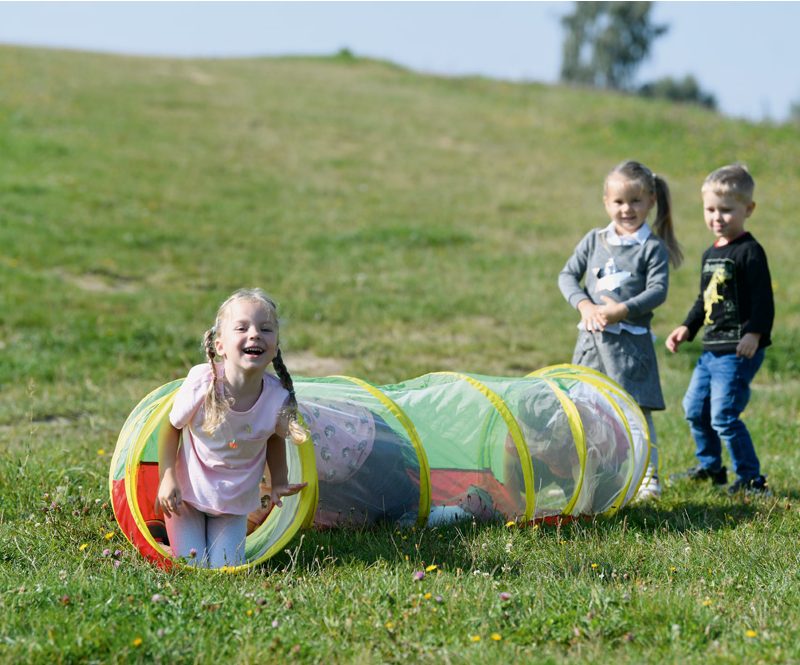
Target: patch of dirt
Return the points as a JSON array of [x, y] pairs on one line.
[[99, 282], [306, 363]]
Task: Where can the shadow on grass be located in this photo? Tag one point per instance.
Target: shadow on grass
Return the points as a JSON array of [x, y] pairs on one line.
[[460, 544]]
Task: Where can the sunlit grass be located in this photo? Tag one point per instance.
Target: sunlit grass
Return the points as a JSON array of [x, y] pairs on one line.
[[405, 224]]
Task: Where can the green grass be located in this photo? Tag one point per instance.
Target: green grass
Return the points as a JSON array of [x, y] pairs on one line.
[[405, 224]]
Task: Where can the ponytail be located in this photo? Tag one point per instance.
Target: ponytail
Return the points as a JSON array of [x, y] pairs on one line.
[[663, 226]]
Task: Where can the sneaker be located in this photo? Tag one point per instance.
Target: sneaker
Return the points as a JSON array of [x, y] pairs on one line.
[[757, 485], [650, 489], [719, 477]]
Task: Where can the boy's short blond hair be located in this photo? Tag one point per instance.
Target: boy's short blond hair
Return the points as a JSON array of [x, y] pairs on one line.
[[733, 179]]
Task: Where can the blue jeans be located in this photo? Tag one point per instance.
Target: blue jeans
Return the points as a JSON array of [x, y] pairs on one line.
[[717, 395]]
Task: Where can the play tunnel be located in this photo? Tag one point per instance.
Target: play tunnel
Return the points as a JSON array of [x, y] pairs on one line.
[[443, 447]]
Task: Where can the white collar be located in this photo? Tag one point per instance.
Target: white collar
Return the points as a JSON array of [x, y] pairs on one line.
[[638, 238]]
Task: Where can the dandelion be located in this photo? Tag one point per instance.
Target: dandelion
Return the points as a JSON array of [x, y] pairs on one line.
[[389, 625], [137, 642], [594, 565], [474, 638], [419, 575], [428, 596], [101, 451], [750, 633], [504, 595], [707, 602], [497, 637], [249, 613], [431, 568], [109, 535], [510, 523], [673, 569], [83, 546]]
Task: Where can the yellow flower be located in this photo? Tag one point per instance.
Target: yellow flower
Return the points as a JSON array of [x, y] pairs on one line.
[[594, 565], [707, 602], [137, 642], [673, 569], [249, 613], [497, 637], [431, 568], [389, 625], [510, 523], [101, 451], [750, 633], [428, 596], [474, 638], [83, 546], [109, 535]]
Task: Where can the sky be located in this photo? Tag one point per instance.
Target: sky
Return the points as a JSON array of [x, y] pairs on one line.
[[744, 53]]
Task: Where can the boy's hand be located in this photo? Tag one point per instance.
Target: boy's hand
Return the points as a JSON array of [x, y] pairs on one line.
[[282, 490], [677, 337], [748, 345], [613, 311], [592, 317]]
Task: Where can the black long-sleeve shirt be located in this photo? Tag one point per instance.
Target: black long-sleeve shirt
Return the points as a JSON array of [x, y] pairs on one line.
[[735, 296]]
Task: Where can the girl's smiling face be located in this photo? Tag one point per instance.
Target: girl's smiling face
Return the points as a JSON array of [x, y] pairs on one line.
[[248, 336], [627, 203]]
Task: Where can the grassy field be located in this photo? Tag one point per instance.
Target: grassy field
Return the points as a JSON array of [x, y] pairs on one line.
[[405, 224]]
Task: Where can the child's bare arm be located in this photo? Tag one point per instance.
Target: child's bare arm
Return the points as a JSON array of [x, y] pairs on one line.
[[168, 499], [279, 471]]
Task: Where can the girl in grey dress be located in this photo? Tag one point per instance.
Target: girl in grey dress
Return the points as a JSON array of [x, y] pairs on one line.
[[615, 278]]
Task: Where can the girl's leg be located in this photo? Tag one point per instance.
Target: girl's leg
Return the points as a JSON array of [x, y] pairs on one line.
[[187, 534], [651, 485], [226, 535], [651, 429]]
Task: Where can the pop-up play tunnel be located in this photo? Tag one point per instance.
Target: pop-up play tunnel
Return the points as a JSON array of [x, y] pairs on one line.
[[561, 442]]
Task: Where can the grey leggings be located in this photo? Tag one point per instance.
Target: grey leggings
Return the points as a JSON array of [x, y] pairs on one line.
[[648, 414], [208, 541]]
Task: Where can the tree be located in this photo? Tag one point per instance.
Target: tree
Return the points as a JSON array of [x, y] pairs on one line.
[[606, 42], [687, 91]]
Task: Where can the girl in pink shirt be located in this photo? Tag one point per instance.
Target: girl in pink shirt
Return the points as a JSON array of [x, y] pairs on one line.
[[230, 416]]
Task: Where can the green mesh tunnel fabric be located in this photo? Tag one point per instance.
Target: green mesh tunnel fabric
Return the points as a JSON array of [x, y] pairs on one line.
[[563, 441]]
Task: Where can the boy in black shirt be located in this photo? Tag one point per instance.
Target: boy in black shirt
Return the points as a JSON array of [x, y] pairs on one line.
[[736, 307]]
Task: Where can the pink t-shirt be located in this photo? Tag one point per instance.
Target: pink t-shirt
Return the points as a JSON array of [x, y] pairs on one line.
[[220, 473]]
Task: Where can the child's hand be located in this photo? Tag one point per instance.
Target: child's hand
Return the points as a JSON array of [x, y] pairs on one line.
[[592, 316], [282, 490], [168, 499], [613, 311], [748, 345], [676, 338]]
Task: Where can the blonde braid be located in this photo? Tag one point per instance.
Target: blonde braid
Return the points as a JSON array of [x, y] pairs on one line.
[[215, 408], [297, 432]]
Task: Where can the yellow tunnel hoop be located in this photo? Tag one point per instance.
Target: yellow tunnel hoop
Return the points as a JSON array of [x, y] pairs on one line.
[[516, 434], [602, 383], [578, 436], [405, 421], [303, 517]]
